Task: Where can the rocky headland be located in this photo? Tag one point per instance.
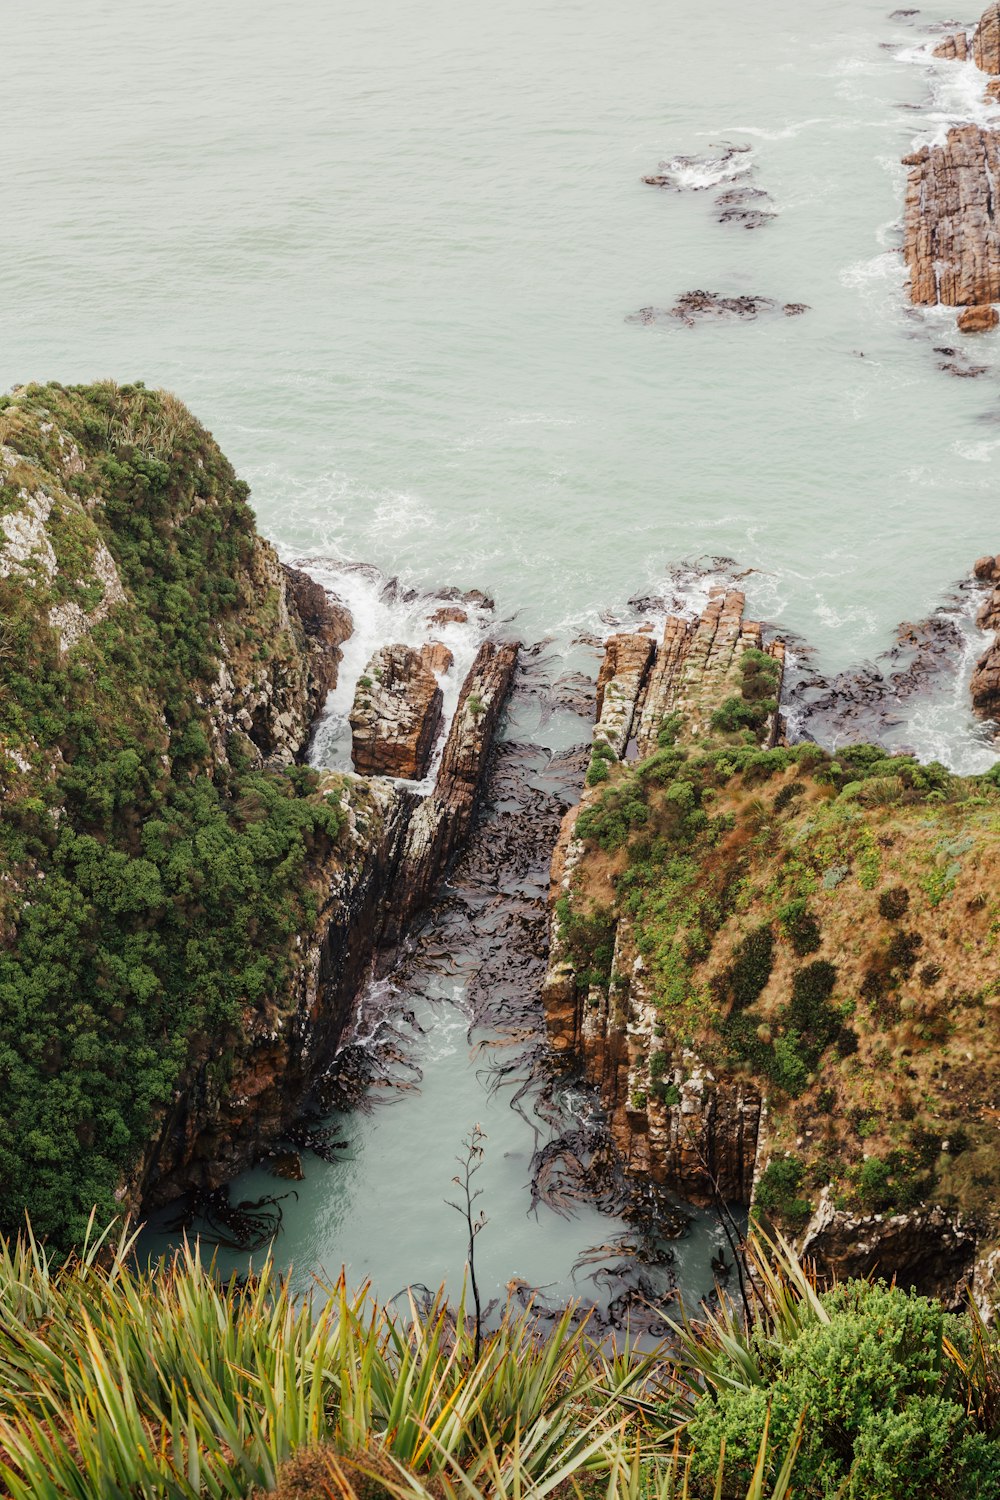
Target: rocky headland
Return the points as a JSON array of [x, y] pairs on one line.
[[779, 964], [951, 243], [187, 911]]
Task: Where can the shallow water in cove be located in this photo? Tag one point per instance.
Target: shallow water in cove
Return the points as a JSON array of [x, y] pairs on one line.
[[387, 255]]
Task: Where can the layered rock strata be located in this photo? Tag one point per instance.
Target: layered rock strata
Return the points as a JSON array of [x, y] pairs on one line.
[[951, 238], [985, 685], [951, 242], [397, 714], [776, 964], [702, 1144]]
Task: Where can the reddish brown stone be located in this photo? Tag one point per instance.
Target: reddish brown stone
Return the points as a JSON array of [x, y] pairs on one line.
[[450, 614], [986, 41], [978, 319], [625, 656], [396, 715], [956, 46], [951, 240], [437, 656]]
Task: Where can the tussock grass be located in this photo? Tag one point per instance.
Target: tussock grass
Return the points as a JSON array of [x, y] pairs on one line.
[[127, 1384]]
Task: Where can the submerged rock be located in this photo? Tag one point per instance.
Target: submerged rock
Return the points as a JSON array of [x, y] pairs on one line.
[[703, 173], [749, 207], [695, 307]]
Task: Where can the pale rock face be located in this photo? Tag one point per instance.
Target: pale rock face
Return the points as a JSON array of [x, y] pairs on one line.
[[70, 621], [26, 541]]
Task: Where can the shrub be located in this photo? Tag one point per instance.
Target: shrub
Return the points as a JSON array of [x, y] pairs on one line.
[[735, 713], [892, 903], [788, 794], [778, 1189], [799, 926], [868, 1367], [590, 941], [875, 1184], [903, 950], [750, 969], [670, 727], [611, 820]]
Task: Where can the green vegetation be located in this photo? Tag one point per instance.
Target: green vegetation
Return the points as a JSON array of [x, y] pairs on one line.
[[886, 1392], [171, 1385], [778, 1190], [602, 757], [153, 878], [787, 912], [760, 675]]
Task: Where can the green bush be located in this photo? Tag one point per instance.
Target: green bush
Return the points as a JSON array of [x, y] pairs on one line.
[[870, 1374], [590, 941], [799, 925], [778, 1189], [611, 820], [735, 713], [153, 888], [749, 969]]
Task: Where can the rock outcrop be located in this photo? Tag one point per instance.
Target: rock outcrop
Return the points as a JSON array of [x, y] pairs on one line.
[[985, 685], [926, 1247], [951, 242], [395, 850], [986, 41], [397, 715], [187, 910], [674, 1119], [775, 964], [954, 48]]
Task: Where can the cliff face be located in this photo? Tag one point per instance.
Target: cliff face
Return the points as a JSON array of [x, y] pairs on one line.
[[985, 686], [185, 911], [780, 966], [951, 242]]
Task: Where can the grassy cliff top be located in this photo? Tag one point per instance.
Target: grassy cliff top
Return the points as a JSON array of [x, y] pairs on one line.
[[827, 925]]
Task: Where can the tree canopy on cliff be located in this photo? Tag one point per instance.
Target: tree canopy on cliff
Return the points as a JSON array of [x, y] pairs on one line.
[[152, 869]]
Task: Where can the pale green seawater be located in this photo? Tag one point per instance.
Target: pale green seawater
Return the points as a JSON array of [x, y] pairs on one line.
[[387, 255]]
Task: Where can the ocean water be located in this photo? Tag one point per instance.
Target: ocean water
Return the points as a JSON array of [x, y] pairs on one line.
[[388, 256]]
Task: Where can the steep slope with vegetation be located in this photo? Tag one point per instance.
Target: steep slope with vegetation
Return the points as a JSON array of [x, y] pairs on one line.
[[160, 850], [783, 966]]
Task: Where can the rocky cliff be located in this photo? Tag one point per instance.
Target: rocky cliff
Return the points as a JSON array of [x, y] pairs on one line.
[[985, 685], [186, 911], [951, 242], [780, 965]]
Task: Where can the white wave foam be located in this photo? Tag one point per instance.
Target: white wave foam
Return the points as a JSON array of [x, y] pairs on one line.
[[958, 93], [786, 133], [944, 728], [385, 613], [977, 453], [696, 174]]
